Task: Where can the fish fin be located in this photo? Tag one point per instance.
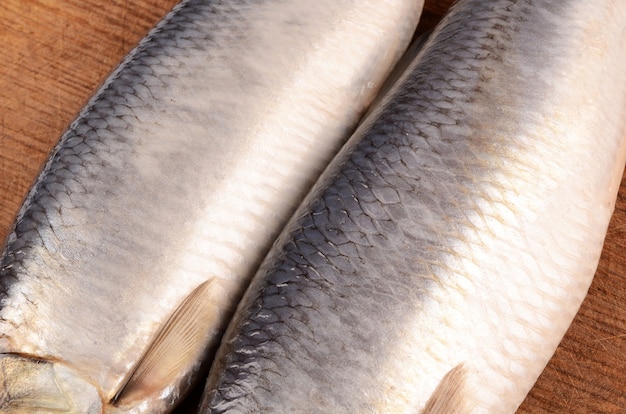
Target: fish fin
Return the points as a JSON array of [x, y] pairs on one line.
[[451, 395], [182, 340]]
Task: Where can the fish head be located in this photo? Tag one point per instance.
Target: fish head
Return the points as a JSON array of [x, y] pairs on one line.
[[35, 385], [30, 385]]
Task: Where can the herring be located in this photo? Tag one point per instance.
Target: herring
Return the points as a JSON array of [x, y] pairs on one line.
[[158, 203], [440, 258]]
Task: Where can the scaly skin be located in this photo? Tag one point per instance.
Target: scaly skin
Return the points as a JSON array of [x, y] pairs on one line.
[[460, 226], [181, 170]]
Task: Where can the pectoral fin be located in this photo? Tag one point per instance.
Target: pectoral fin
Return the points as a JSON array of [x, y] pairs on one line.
[[452, 395], [179, 344]]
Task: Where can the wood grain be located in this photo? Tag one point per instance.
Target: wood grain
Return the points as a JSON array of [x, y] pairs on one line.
[[56, 52]]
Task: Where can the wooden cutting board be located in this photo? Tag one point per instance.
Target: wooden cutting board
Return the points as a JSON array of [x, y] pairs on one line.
[[54, 54]]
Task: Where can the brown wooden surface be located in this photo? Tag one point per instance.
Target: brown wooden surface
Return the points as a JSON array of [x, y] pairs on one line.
[[53, 55]]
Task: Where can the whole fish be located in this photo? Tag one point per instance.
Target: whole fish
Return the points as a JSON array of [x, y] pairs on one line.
[[440, 258], [157, 205]]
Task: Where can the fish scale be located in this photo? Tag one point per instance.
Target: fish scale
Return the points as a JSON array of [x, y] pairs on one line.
[[448, 246], [151, 214]]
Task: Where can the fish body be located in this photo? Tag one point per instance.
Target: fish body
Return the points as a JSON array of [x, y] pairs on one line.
[[158, 203], [440, 258]]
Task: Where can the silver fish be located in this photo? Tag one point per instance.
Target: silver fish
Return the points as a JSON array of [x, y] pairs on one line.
[[158, 203], [439, 260]]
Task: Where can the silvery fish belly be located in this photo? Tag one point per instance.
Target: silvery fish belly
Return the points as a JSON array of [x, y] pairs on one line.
[[159, 202], [440, 258]]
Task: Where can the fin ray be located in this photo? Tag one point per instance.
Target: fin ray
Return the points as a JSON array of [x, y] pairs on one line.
[[182, 339], [451, 395]]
